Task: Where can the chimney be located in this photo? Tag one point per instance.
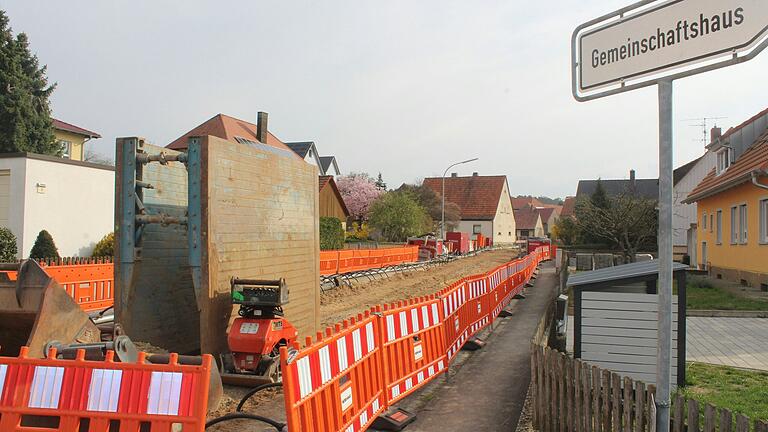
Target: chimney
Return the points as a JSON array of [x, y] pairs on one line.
[[261, 127], [454, 174], [474, 174], [715, 134]]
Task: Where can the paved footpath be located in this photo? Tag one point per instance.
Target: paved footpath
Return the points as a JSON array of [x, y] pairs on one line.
[[738, 342], [488, 392]]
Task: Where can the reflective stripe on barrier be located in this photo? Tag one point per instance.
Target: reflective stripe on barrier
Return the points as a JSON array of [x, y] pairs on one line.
[[94, 394], [413, 345], [456, 325], [347, 377], [477, 304], [335, 384]]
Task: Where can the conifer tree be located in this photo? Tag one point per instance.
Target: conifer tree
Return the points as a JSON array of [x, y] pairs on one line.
[[25, 114]]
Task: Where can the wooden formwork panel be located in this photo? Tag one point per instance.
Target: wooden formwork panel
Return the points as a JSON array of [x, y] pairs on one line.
[[258, 218], [260, 221]]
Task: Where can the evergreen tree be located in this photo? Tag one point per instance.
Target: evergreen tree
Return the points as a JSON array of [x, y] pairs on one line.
[[25, 114], [8, 247], [44, 247], [599, 197], [380, 185]]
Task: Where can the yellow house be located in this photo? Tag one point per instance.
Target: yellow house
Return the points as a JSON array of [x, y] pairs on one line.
[[72, 139], [732, 203]]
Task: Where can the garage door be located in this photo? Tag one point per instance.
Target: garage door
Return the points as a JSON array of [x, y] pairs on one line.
[[5, 196]]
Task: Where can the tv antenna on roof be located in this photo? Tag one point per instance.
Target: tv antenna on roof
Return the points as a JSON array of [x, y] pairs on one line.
[[703, 124]]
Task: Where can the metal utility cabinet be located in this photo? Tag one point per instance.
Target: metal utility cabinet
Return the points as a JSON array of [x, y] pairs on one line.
[[616, 319]]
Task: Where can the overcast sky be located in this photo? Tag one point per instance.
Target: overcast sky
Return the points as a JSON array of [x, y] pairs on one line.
[[399, 87]]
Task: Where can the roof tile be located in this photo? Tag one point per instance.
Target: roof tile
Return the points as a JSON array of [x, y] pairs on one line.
[[477, 196], [228, 128]]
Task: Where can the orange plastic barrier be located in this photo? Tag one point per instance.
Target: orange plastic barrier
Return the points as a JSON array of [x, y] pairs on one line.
[[329, 262], [499, 286], [456, 324], [91, 284], [336, 383], [413, 345], [347, 377], [80, 395], [352, 260]]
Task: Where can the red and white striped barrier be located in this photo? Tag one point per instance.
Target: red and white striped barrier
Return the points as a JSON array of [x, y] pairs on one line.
[[73, 390]]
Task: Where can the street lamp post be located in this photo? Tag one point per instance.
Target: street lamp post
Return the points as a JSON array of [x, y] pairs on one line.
[[442, 219]]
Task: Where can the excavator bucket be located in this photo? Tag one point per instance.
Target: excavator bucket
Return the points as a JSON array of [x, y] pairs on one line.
[[35, 310]]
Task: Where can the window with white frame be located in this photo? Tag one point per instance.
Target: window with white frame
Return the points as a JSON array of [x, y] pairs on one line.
[[476, 229], [712, 223], [719, 227], [704, 221], [743, 224], [764, 221], [724, 159], [66, 149], [734, 225]]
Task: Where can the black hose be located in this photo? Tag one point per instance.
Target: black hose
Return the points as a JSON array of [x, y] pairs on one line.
[[255, 390], [234, 416]]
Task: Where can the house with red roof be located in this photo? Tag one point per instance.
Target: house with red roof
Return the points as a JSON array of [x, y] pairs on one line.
[[486, 207], [529, 223], [732, 207], [72, 139], [569, 207], [549, 217]]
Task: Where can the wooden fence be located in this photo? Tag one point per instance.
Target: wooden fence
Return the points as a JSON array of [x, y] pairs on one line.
[[572, 396]]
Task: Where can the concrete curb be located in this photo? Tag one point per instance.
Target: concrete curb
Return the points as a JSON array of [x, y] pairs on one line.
[[726, 314]]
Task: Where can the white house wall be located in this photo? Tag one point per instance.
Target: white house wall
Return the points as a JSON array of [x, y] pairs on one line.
[[76, 205], [486, 227], [17, 168], [685, 214], [504, 223]]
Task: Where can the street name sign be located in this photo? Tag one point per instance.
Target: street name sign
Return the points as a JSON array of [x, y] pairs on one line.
[[656, 39]]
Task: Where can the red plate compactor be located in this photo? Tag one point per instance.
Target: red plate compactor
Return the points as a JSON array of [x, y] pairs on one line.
[[256, 336]]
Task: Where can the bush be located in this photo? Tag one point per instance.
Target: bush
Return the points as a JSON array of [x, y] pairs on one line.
[[331, 234], [105, 247], [359, 232], [44, 247], [8, 249]]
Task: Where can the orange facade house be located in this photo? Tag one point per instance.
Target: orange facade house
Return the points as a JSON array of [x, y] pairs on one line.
[[732, 215]]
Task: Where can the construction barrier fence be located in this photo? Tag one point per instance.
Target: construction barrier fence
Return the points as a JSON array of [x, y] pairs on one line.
[[352, 373], [99, 396], [355, 260], [89, 281]]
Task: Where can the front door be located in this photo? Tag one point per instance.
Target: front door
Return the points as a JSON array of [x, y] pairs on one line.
[[703, 255]]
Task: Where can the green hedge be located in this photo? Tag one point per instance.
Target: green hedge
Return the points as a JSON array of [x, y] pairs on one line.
[[331, 234]]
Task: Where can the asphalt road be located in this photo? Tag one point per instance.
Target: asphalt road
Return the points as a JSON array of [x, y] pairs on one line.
[[488, 392]]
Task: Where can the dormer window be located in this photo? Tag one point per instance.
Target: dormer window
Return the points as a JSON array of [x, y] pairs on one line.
[[724, 159]]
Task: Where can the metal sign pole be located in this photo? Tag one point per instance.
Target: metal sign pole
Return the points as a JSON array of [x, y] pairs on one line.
[[664, 347]]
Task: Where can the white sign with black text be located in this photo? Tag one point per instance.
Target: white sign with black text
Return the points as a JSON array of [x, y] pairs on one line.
[[670, 35]]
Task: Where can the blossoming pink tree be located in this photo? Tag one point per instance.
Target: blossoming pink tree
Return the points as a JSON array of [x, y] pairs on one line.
[[359, 191]]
